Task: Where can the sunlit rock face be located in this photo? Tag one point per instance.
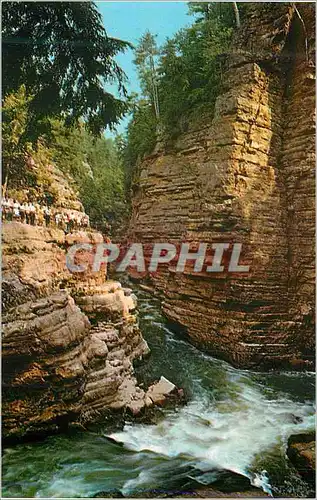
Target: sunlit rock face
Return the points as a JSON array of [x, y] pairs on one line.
[[247, 176], [58, 368], [34, 261]]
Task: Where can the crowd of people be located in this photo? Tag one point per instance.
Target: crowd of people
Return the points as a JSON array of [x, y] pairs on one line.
[[43, 215]]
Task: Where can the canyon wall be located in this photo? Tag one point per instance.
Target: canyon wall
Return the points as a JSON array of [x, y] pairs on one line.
[[245, 176]]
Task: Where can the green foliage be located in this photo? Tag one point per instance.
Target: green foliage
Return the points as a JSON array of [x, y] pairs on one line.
[[213, 11], [61, 52], [57, 61], [140, 140], [141, 133], [102, 191], [185, 75], [142, 130], [190, 68], [146, 58], [14, 124], [93, 164], [43, 187], [14, 117], [70, 146]]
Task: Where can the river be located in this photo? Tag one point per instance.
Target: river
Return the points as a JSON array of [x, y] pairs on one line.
[[234, 420]]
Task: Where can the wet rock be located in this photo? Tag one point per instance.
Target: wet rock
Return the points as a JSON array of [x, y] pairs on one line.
[[159, 391], [301, 450], [210, 492], [228, 485], [108, 494]]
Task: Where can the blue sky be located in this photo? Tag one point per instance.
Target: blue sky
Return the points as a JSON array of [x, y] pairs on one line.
[[129, 20]]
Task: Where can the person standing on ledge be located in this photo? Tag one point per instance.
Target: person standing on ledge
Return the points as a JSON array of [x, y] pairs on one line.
[[22, 212], [47, 216], [16, 210], [4, 209], [27, 213], [32, 214]]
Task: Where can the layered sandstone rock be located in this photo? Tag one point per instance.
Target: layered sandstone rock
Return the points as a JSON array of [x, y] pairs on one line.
[[45, 350], [246, 176], [108, 298], [57, 367], [113, 385], [34, 261]]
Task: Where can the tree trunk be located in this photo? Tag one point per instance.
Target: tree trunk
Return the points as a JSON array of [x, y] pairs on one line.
[[237, 14], [154, 87]]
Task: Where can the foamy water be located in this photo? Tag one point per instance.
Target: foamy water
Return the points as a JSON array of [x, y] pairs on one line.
[[226, 434]]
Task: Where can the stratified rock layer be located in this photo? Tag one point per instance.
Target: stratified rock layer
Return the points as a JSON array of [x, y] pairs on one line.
[[45, 347], [57, 367], [34, 261], [247, 176]]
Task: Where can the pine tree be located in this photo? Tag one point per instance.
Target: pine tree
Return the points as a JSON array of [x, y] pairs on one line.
[[62, 54], [145, 59]]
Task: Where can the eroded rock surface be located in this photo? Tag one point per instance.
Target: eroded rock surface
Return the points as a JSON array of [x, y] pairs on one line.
[[34, 261], [58, 368], [46, 349]]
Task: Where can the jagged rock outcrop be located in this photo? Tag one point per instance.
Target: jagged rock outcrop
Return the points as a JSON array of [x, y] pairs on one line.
[[58, 368], [247, 176]]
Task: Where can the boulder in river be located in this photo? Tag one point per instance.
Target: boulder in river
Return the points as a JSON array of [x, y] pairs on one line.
[[301, 451], [229, 484], [159, 391]]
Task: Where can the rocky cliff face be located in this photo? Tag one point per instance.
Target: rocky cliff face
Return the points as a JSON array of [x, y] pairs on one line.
[[245, 176], [58, 367]]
